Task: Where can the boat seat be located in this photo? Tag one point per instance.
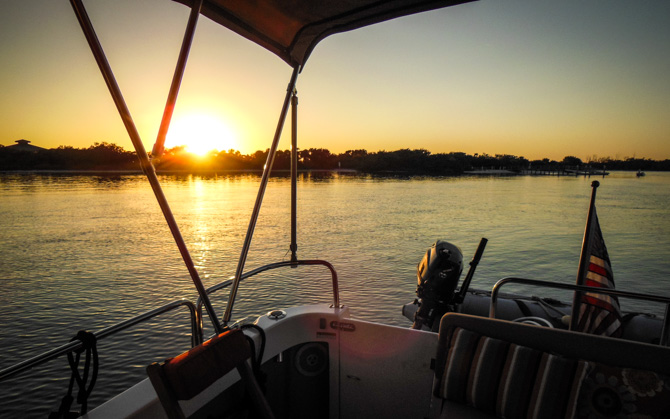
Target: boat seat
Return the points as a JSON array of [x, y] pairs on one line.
[[497, 368], [187, 375]]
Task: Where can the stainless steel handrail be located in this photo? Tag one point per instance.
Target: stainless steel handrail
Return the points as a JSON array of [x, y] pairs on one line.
[[665, 332], [227, 283], [75, 345]]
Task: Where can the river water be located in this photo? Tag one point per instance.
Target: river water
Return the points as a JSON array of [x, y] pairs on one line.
[[88, 251]]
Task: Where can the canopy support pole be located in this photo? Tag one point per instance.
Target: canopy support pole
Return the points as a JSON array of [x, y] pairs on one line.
[[145, 163], [294, 176], [259, 198], [159, 145]]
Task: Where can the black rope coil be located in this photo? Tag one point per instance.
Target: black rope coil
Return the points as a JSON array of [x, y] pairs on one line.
[[88, 346]]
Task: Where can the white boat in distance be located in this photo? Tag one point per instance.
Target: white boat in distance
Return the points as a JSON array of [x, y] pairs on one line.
[[470, 353]]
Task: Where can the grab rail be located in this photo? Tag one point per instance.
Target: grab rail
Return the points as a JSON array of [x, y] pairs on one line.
[[227, 283], [665, 330], [77, 344]]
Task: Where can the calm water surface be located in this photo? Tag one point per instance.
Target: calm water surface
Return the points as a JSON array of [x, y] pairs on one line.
[[85, 252]]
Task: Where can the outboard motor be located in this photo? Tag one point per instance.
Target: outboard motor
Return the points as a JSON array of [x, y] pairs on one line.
[[437, 277]]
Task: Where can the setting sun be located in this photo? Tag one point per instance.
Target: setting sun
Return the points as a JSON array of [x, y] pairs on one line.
[[200, 133]]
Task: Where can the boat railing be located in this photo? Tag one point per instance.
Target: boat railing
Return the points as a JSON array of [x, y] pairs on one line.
[[583, 288], [295, 263], [77, 344]]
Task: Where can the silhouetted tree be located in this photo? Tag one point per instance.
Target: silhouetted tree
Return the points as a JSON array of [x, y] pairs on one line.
[[571, 161]]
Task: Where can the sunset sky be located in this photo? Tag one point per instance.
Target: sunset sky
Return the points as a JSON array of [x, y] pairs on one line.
[[533, 78]]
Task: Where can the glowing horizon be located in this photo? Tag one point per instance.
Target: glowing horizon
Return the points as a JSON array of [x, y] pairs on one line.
[[201, 133], [517, 77]]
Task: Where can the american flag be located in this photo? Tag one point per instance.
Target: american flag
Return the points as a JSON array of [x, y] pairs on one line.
[[599, 314]]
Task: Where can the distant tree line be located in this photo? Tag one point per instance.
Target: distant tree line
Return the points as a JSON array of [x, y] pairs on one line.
[[105, 156], [100, 156]]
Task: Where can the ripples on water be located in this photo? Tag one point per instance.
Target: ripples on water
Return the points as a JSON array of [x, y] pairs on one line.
[[85, 252]]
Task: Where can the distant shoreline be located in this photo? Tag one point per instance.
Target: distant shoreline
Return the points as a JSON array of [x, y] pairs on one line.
[[494, 172], [166, 172], [111, 158]]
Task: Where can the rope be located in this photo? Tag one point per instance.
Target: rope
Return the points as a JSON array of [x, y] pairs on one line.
[[88, 345], [256, 361]]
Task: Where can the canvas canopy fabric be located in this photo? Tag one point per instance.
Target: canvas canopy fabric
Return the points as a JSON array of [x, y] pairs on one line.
[[292, 28]]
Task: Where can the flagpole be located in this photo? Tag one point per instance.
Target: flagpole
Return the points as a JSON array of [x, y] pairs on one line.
[[583, 258]]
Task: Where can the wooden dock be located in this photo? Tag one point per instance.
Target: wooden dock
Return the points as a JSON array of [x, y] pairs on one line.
[[564, 172]]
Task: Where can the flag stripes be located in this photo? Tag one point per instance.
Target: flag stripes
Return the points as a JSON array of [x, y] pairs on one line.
[[598, 313]]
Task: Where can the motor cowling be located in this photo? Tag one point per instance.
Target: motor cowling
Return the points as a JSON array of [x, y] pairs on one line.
[[437, 277]]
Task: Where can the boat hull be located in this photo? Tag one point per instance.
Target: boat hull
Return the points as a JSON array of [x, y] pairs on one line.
[[370, 370]]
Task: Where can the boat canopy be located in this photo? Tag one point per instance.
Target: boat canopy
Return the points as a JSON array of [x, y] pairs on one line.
[[291, 29]]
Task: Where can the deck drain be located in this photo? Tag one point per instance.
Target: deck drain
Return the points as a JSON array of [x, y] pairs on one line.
[[276, 314]]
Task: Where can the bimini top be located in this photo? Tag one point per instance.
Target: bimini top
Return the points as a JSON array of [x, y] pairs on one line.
[[292, 28]]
